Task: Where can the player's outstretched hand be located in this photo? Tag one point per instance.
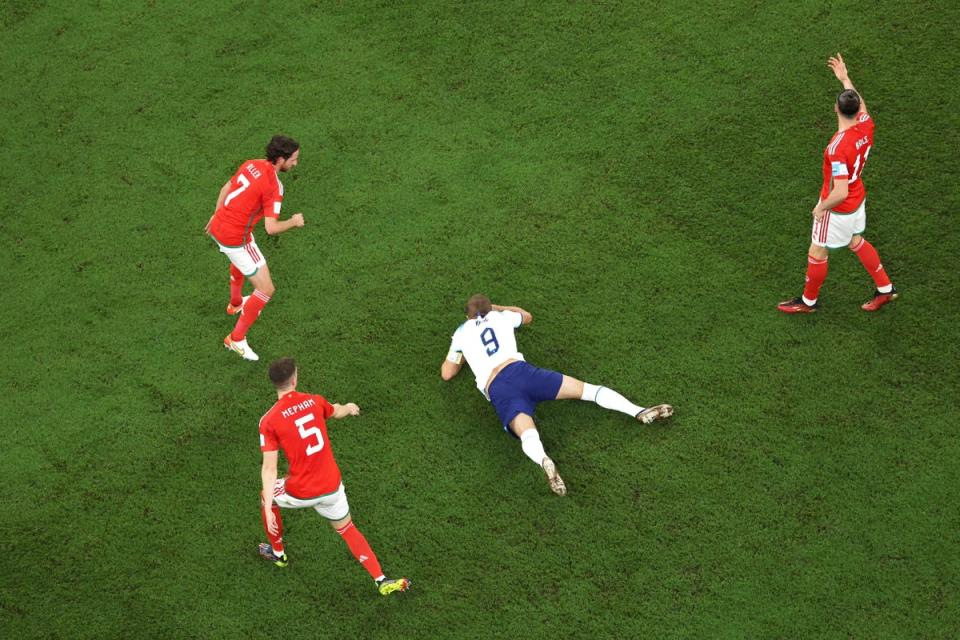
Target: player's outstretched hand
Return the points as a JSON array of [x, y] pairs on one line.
[[297, 219], [839, 67], [352, 409]]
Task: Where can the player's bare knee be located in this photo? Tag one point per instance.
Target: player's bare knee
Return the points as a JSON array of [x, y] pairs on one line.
[[855, 242], [268, 289], [342, 522], [522, 422], [570, 389]]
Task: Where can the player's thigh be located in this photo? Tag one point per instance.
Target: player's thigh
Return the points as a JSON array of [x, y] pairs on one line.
[[261, 280], [333, 507], [835, 230], [522, 422], [859, 220], [570, 389], [243, 260]]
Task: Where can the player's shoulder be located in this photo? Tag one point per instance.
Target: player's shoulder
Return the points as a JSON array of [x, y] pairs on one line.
[[506, 315], [271, 413], [836, 141], [259, 168]]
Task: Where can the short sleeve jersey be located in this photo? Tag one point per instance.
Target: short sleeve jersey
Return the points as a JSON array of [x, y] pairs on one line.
[[255, 192], [487, 343], [297, 423], [845, 157]]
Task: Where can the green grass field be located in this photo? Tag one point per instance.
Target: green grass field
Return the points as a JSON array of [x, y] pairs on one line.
[[638, 175]]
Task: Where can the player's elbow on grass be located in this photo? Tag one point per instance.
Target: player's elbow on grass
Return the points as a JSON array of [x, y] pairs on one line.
[[448, 370]]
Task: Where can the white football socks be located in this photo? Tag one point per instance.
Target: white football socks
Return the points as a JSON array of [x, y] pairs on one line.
[[609, 399], [530, 442]]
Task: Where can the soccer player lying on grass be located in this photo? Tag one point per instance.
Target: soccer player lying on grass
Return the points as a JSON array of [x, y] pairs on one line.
[[254, 192], [840, 215], [514, 387], [297, 424]]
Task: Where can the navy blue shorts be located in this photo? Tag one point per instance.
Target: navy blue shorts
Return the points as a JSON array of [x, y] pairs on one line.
[[519, 387]]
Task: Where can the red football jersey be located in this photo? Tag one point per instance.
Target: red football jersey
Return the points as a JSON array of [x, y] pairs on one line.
[[845, 157], [255, 191], [297, 423]]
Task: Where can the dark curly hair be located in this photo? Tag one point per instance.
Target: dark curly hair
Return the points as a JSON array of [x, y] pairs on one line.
[[281, 147]]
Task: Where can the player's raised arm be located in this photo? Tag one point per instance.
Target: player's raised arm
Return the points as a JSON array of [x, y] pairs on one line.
[[527, 316], [839, 68]]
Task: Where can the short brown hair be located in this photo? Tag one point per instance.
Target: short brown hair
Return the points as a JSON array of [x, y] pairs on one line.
[[478, 305], [848, 103], [282, 371], [281, 147]]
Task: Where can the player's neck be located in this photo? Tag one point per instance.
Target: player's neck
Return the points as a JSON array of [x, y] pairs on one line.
[[284, 392], [845, 123]]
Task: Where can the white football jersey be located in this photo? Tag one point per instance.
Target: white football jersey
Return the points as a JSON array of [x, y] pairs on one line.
[[486, 343]]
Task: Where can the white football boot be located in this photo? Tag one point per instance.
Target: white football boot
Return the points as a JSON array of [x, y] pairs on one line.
[[556, 482], [659, 412], [241, 347]]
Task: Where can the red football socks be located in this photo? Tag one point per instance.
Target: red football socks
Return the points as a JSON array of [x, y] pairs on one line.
[[276, 541], [236, 286], [871, 262], [816, 274], [361, 550], [251, 311]]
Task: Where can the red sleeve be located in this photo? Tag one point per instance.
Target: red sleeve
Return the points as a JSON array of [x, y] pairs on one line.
[[268, 438], [840, 163], [272, 198], [327, 407]]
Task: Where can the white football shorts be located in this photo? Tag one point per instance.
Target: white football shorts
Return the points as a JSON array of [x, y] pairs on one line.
[[246, 258], [332, 506], [835, 230]]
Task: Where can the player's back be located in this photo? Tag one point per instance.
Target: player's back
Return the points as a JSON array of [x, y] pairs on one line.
[[297, 424], [255, 191], [488, 342], [845, 157]]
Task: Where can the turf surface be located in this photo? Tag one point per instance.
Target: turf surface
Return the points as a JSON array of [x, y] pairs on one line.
[[637, 175]]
